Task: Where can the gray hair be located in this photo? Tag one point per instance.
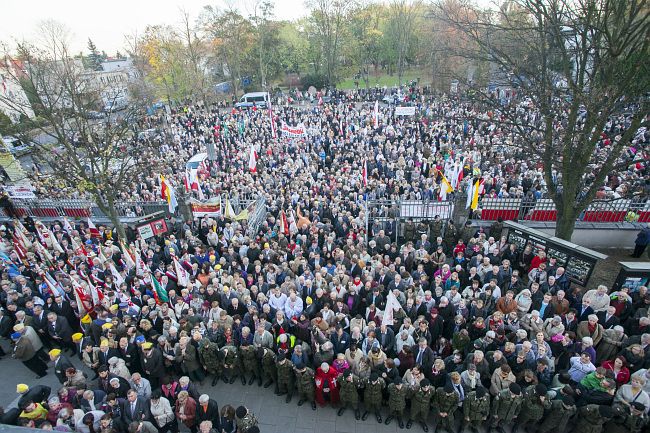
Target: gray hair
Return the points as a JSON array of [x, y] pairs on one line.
[[204, 398]]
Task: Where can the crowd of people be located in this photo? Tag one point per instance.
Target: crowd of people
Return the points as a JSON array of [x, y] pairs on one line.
[[453, 326]]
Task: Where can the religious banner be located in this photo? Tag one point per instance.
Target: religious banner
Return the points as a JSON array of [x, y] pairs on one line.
[[294, 131]]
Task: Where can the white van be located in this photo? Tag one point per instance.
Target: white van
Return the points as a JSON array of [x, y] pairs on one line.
[[258, 99], [195, 162]]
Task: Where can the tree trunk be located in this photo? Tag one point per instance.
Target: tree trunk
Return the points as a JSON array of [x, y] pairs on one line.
[[115, 219], [566, 222]]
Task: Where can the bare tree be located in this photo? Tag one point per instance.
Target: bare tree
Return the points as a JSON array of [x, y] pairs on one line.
[[95, 156], [402, 16], [584, 66]]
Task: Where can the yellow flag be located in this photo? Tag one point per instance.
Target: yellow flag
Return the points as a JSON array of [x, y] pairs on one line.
[[474, 204]]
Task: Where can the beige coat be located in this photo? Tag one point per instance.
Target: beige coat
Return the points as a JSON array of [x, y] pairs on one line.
[[498, 383]]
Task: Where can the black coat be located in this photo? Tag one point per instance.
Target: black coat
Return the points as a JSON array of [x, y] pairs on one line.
[[153, 366], [211, 414], [61, 328], [60, 366], [37, 394], [141, 411]]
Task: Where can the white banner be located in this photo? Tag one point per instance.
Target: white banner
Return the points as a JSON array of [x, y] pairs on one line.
[[23, 191], [294, 131], [404, 111]]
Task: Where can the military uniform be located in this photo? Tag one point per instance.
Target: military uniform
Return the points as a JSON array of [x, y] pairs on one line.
[[446, 403], [250, 364], [590, 420], [505, 408], [285, 378], [349, 394], [269, 371], [559, 419], [420, 405], [422, 229], [626, 422], [209, 357], [435, 228], [372, 397], [230, 359], [396, 402], [244, 424], [476, 410], [305, 385], [409, 231], [532, 408]]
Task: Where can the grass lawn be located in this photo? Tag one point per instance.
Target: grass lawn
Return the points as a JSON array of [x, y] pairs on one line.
[[386, 80]]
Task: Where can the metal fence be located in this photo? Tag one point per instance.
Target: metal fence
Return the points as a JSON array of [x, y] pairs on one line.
[[599, 211]]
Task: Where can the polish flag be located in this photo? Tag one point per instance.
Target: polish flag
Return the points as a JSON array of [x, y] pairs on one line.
[[284, 224], [252, 160], [93, 229]]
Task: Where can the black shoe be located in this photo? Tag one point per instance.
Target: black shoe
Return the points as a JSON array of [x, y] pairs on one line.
[[280, 393], [515, 428], [425, 427], [243, 380], [364, 416], [252, 379], [357, 414], [288, 399], [232, 380], [301, 402], [267, 384], [379, 420], [388, 420], [340, 411], [313, 405], [400, 423], [215, 381], [409, 423]]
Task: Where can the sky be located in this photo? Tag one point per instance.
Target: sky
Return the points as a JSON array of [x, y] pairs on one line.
[[106, 22]]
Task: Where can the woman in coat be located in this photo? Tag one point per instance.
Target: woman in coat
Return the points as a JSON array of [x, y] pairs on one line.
[[162, 414], [186, 410]]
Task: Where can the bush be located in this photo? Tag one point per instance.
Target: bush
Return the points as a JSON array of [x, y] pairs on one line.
[[316, 80]]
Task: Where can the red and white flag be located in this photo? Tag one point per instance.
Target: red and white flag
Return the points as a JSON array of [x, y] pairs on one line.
[[67, 227], [252, 160], [182, 275], [93, 229], [284, 223], [186, 181]]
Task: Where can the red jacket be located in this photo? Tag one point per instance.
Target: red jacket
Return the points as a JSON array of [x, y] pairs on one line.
[[622, 377]]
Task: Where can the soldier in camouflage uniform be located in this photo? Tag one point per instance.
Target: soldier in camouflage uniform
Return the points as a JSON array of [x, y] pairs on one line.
[[305, 384], [230, 360], [409, 230], [285, 376], [372, 396], [446, 402], [533, 406], [349, 395], [209, 357], [250, 364], [562, 410], [476, 408], [506, 406], [435, 227], [592, 417], [420, 404], [245, 420], [630, 419], [396, 401], [269, 372]]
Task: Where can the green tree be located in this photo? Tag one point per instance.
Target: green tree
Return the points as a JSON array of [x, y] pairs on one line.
[[94, 59]]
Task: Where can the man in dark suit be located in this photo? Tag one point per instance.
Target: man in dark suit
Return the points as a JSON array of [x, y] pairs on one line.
[[60, 331], [386, 337], [584, 311], [63, 308], [376, 298], [423, 354], [607, 318], [130, 354], [39, 323], [570, 321], [544, 306], [208, 410], [105, 352], [61, 364], [37, 394], [134, 408]]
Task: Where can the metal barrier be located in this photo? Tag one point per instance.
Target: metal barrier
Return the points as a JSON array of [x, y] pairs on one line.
[[599, 211]]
